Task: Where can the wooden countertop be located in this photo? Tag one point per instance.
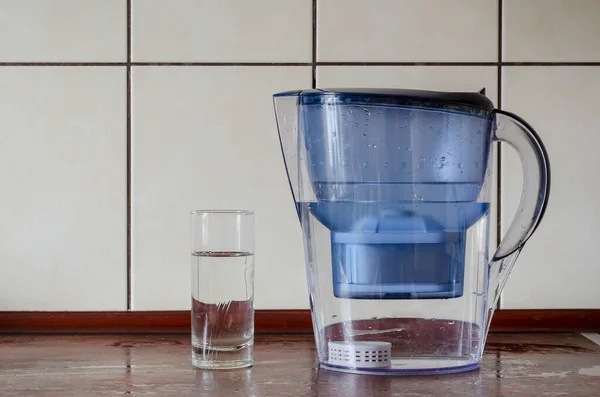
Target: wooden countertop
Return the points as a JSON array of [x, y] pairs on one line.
[[285, 365]]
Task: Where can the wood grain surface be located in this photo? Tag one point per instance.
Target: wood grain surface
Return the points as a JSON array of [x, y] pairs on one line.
[[285, 365]]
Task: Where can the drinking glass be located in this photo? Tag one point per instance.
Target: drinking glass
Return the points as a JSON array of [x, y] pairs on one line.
[[222, 249]]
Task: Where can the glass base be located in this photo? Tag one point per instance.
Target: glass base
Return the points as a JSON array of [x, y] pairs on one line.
[[412, 366], [222, 357]]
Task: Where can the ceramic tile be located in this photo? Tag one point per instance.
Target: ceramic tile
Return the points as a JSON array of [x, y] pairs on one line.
[[222, 31], [63, 31], [558, 266], [62, 166], [405, 30], [551, 30], [206, 138], [444, 78]]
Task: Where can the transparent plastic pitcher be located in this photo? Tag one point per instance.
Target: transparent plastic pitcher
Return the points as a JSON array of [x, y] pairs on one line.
[[393, 191]]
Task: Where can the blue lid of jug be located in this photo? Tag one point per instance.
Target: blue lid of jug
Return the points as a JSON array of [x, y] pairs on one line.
[[468, 102]]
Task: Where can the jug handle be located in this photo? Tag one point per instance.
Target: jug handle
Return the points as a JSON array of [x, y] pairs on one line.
[[515, 131]]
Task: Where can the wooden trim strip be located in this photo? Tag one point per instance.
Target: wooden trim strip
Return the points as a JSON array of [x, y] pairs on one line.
[[266, 321], [567, 320]]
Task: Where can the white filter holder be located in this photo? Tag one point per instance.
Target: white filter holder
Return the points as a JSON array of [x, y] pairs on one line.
[[360, 354]]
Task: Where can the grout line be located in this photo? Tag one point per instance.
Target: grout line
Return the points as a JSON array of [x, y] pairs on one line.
[[221, 63], [407, 63], [129, 237], [593, 337], [314, 45], [128, 32], [549, 63], [63, 63], [499, 151], [500, 63], [500, 44], [313, 64]]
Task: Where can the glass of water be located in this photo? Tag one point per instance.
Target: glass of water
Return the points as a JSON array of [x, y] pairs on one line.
[[222, 245]]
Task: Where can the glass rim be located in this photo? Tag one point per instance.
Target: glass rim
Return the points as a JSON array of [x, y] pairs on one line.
[[231, 212]]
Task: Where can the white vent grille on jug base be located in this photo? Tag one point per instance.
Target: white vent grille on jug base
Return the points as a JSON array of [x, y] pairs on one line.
[[360, 354]]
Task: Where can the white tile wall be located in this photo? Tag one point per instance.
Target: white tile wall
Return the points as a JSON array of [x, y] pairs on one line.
[[407, 30], [204, 136], [551, 30], [443, 78], [222, 31], [62, 167], [63, 31], [558, 267]]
